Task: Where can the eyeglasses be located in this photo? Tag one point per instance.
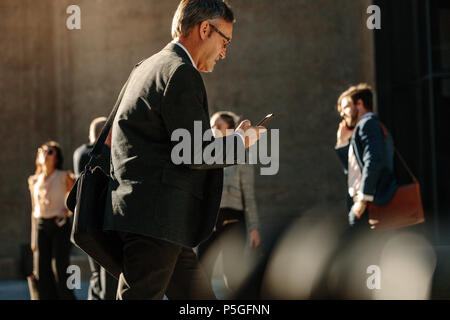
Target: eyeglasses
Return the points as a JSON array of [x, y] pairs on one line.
[[224, 36]]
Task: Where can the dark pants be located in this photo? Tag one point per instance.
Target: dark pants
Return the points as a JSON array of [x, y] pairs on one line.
[[351, 271], [102, 285], [53, 242], [230, 239], [154, 267]]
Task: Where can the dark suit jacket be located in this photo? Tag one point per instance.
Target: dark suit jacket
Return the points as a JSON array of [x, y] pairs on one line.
[[375, 156], [149, 195]]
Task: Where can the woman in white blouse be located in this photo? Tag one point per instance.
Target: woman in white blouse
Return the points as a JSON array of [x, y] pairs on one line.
[[50, 233]]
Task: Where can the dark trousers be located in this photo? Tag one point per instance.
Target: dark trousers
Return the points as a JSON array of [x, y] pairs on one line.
[[351, 271], [102, 285], [154, 267], [230, 239], [53, 242]]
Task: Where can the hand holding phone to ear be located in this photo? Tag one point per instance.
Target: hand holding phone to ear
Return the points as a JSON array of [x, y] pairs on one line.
[[343, 134]]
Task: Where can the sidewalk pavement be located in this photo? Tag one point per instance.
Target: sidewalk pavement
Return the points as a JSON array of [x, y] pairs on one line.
[[18, 290]]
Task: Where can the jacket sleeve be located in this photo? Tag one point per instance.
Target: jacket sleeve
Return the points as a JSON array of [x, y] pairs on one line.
[[183, 105], [342, 153], [371, 138], [247, 183]]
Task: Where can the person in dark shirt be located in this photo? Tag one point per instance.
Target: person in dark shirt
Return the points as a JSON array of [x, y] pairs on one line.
[[102, 285], [81, 154]]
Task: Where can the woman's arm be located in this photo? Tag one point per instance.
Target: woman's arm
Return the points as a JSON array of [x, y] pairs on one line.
[[31, 182], [33, 233], [247, 183], [70, 181]]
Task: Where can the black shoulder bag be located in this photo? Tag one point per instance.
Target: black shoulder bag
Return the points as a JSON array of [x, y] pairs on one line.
[[87, 200]]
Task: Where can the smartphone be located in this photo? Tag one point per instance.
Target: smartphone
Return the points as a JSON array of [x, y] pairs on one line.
[[266, 119]]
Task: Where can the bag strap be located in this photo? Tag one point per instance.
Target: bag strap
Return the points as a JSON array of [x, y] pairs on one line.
[[385, 133], [98, 145]]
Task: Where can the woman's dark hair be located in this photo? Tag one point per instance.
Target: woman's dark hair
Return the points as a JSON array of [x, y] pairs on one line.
[[59, 156], [229, 120]]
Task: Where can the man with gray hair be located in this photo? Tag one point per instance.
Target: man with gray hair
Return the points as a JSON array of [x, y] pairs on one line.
[[102, 286], [161, 210]]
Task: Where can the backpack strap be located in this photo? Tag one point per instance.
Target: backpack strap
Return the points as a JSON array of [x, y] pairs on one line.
[[385, 133]]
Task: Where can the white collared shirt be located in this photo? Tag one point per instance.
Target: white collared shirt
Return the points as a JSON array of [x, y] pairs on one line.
[[185, 50], [355, 174]]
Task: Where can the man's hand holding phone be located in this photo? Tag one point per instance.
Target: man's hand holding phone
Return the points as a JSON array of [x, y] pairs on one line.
[[343, 134], [250, 133]]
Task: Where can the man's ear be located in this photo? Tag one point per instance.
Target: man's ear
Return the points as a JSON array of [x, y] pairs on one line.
[[360, 104], [204, 30]]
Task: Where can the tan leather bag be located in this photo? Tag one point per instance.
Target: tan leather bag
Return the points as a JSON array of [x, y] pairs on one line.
[[404, 209]]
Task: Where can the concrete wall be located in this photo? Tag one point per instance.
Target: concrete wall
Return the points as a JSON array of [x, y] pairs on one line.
[[289, 57]]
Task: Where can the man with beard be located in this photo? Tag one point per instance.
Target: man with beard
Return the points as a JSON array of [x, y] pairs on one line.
[[367, 156]]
